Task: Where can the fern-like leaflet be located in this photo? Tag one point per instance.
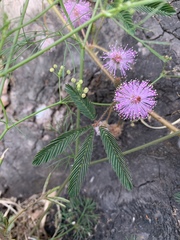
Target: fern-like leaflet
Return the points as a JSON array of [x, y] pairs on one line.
[[116, 158], [81, 164], [58, 145]]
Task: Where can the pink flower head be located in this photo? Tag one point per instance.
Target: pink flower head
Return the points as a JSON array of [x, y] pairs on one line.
[[79, 13], [119, 58], [135, 99]]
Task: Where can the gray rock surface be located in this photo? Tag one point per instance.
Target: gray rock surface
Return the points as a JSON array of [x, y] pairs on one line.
[[149, 211]]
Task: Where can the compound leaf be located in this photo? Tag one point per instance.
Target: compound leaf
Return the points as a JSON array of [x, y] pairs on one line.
[[58, 145], [81, 164], [124, 17], [116, 158], [159, 8], [83, 104], [177, 197]]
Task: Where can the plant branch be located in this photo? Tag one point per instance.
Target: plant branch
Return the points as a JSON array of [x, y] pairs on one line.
[[157, 141], [163, 121]]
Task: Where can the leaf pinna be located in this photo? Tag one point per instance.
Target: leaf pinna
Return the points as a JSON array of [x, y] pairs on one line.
[[81, 164], [159, 8], [58, 145], [83, 104], [116, 158]]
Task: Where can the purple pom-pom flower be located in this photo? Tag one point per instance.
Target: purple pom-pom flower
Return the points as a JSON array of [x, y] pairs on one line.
[[79, 13], [134, 99], [119, 58]]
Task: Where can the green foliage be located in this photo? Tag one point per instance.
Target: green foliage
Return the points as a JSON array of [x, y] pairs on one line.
[[159, 8], [124, 17], [3, 225], [83, 104], [78, 219], [116, 158], [58, 145], [177, 197], [4, 31], [81, 164]]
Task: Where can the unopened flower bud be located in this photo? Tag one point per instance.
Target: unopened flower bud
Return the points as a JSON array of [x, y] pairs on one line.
[[62, 67], [51, 69], [78, 86], [73, 80], [81, 81], [85, 90], [83, 95], [60, 71]]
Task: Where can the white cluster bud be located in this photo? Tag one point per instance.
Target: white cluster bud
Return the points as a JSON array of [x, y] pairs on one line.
[[83, 95], [51, 69], [85, 90], [73, 80]]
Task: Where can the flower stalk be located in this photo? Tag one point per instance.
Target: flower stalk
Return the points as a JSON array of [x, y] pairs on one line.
[[163, 121]]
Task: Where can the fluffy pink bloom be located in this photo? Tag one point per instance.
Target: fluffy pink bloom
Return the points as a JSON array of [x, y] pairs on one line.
[[135, 99], [119, 58], [79, 13]]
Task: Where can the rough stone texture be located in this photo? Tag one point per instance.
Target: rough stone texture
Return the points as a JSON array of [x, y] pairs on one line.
[[149, 211]]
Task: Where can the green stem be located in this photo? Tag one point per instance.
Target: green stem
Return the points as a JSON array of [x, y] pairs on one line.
[[102, 104], [82, 54], [67, 16], [90, 26], [50, 46], [157, 141], [4, 112], [10, 58], [33, 19], [172, 76], [30, 116], [149, 15], [103, 13], [157, 79], [63, 234], [13, 47], [162, 58], [4, 30]]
